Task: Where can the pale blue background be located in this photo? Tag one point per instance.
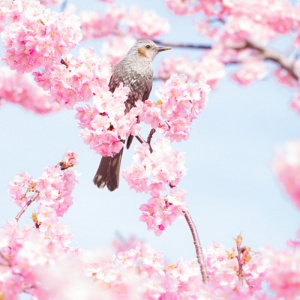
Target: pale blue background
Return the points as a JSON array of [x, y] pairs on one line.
[[231, 187]]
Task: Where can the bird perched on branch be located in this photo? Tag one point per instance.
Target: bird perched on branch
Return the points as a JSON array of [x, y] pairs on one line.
[[134, 71]]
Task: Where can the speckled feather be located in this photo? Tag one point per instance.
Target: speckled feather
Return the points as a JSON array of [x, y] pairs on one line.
[[134, 71]]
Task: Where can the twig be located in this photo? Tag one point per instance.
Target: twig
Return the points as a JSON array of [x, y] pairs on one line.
[[199, 251], [34, 197], [142, 141], [183, 45], [271, 55], [152, 131]]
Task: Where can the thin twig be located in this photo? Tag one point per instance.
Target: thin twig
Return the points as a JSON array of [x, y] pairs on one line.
[[271, 55], [34, 197], [199, 251], [142, 141], [183, 45], [152, 131]]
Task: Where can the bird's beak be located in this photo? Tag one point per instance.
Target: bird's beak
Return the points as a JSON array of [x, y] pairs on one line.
[[160, 49]]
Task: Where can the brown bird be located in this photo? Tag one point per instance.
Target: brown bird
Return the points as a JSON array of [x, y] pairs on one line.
[[134, 71]]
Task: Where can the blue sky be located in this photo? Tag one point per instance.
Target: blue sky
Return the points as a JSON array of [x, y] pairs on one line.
[[231, 188]]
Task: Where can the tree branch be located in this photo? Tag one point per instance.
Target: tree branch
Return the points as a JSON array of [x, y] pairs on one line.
[[271, 55], [265, 53], [33, 198], [183, 45], [199, 251]]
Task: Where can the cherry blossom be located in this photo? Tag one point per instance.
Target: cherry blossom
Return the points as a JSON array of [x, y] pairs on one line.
[[20, 89], [37, 37], [96, 26], [287, 168], [146, 25], [75, 79], [105, 126]]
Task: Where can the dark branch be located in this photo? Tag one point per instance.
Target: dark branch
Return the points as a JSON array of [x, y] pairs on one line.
[[271, 55], [183, 45], [199, 252]]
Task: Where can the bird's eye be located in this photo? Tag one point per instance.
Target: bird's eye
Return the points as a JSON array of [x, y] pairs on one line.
[[148, 46]]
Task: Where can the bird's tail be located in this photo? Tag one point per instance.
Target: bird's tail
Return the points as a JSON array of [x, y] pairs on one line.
[[108, 173]]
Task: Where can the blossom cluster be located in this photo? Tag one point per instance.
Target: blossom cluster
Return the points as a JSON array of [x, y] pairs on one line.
[[20, 89], [209, 66], [75, 79], [146, 25], [157, 172], [115, 48], [53, 190], [287, 168], [184, 7], [36, 37], [95, 25], [116, 20], [180, 102], [105, 126]]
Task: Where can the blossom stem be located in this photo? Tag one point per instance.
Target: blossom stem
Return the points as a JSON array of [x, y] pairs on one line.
[[24, 208], [198, 247]]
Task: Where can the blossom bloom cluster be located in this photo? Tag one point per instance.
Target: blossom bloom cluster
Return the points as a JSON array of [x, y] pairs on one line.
[[52, 190], [184, 7], [287, 168], [95, 25], [36, 37], [209, 65], [115, 48], [19, 89], [157, 173], [146, 25], [142, 25], [180, 102], [260, 21], [75, 79], [105, 126]]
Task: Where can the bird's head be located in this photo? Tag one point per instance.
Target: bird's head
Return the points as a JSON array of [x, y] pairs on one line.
[[147, 49]]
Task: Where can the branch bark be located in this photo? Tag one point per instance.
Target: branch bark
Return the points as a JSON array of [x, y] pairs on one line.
[[198, 247], [33, 198], [266, 54]]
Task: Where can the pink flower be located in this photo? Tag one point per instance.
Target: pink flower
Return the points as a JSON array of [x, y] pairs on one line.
[[96, 26], [250, 71], [146, 25], [183, 7], [76, 79], [20, 89], [115, 48], [287, 168], [283, 272], [179, 104], [39, 37]]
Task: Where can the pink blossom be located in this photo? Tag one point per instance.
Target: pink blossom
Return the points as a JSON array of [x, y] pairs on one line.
[[209, 66], [96, 26], [283, 272], [249, 72], [295, 104], [76, 78], [287, 168], [115, 48], [21, 188], [146, 25], [105, 126], [20, 89], [51, 2], [183, 7], [178, 105], [39, 37], [285, 78]]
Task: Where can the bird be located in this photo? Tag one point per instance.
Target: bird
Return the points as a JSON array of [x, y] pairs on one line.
[[135, 72]]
